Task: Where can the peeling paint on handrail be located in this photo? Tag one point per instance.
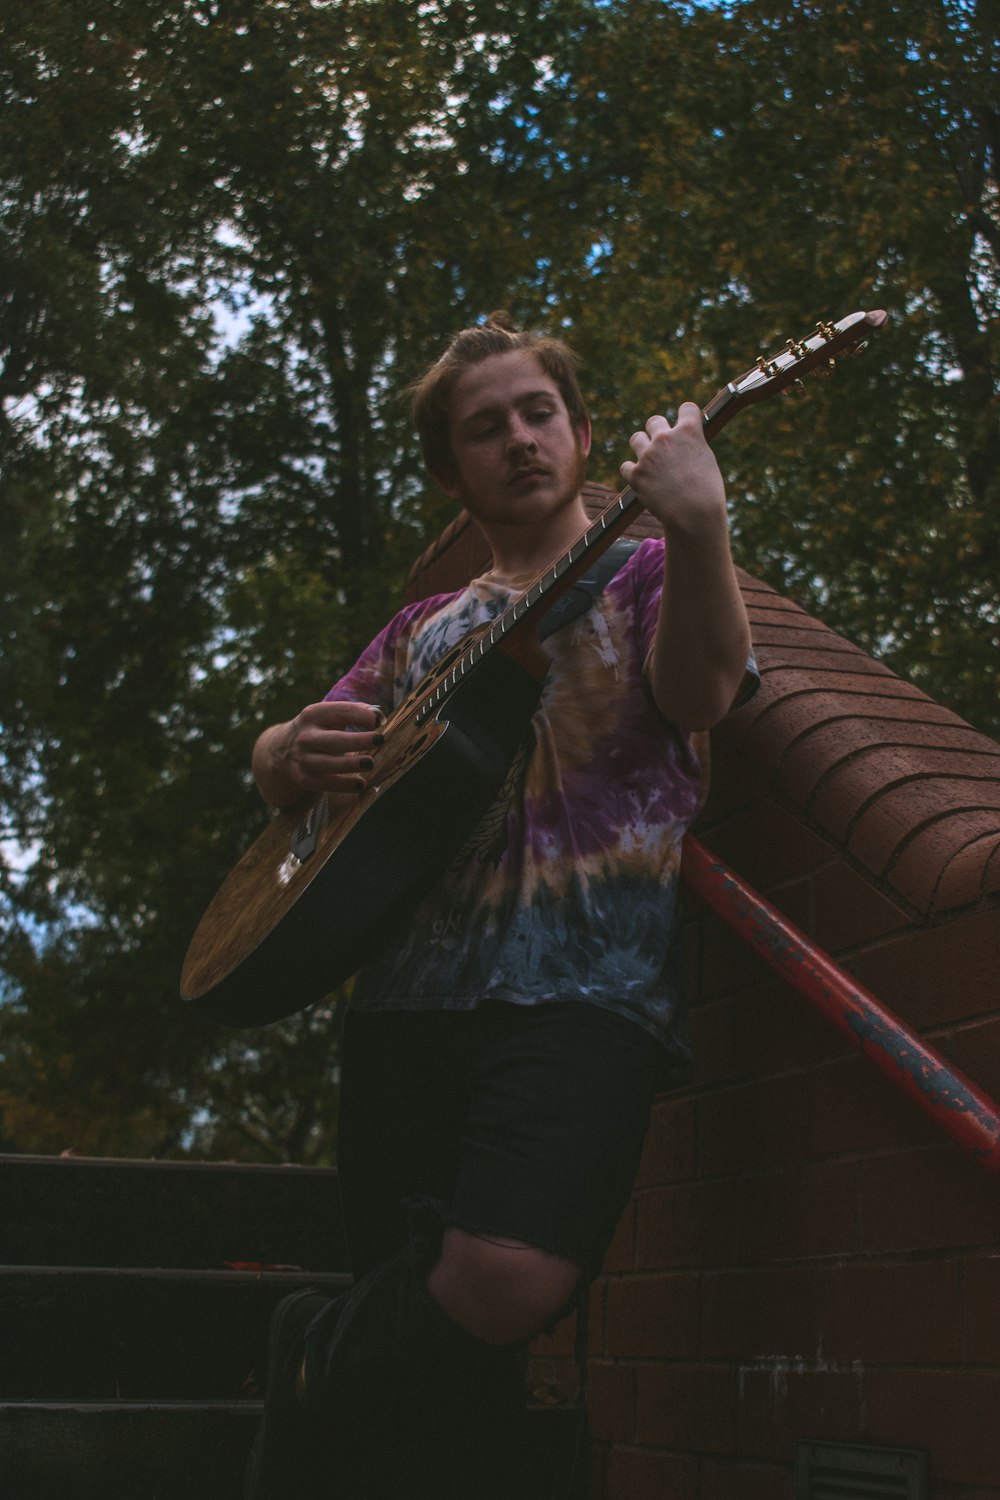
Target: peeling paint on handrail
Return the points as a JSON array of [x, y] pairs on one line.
[[953, 1101]]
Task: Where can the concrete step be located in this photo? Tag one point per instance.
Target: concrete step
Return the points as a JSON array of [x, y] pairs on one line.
[[84, 1211], [183, 1451], [105, 1334], [135, 1298]]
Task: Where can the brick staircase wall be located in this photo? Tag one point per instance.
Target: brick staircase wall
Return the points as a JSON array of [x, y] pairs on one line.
[[805, 1258]]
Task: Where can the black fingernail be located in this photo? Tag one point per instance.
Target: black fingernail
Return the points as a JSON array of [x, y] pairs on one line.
[[378, 739], [366, 763]]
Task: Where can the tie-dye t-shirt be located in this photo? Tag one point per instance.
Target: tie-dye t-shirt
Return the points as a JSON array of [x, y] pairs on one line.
[[567, 891]]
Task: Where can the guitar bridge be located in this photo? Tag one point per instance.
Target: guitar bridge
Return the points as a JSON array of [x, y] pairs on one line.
[[307, 834]]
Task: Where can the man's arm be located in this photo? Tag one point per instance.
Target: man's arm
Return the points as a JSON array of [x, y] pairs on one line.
[[702, 639], [326, 748]]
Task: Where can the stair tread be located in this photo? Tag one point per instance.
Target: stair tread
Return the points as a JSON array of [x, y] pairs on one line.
[[182, 1450], [101, 1333], [187, 1275], [96, 1210]]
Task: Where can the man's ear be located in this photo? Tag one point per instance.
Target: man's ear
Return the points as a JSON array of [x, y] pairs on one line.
[[584, 432], [448, 480]]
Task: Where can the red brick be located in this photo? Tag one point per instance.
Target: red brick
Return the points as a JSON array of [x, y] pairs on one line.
[[764, 736], [940, 974], [918, 872], [782, 1401], [733, 784], [875, 777], [816, 697], [643, 1474], [669, 1153], [897, 1312], [827, 747], [820, 654], [724, 962], [620, 1255], [975, 1050], [598, 1456], [799, 1212], [959, 1492], [721, 1480], [927, 1200], [653, 1316], [850, 911], [981, 1298], [757, 1125], [778, 1030], [610, 1401], [748, 1313], [689, 1225], [713, 1039], [767, 846], [796, 900], [951, 1413], [686, 1407], [857, 1109], [972, 873], [894, 816]]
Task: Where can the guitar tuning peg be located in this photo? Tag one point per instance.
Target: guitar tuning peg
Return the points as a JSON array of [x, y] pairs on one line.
[[826, 369], [795, 348], [855, 350], [797, 388], [825, 330]]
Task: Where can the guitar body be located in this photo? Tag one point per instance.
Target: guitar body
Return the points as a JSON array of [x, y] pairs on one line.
[[314, 895]]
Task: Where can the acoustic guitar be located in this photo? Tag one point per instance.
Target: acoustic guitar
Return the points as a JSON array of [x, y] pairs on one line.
[[317, 892]]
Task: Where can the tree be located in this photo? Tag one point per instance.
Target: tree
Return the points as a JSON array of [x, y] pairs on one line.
[[205, 524], [232, 232], [774, 162]]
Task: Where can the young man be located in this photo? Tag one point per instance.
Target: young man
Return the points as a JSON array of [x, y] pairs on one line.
[[501, 1052]]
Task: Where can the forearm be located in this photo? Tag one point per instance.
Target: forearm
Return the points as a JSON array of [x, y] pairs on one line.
[[274, 778], [702, 639]]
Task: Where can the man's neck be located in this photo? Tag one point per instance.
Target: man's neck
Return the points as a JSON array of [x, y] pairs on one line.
[[522, 552]]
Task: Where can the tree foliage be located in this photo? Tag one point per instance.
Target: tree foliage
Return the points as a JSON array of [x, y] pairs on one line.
[[233, 231]]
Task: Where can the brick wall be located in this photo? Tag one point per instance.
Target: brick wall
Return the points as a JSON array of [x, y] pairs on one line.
[[805, 1256]]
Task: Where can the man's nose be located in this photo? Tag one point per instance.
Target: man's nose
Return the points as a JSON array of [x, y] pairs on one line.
[[519, 433]]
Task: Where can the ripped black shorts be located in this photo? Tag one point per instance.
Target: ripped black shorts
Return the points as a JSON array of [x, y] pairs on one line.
[[525, 1122]]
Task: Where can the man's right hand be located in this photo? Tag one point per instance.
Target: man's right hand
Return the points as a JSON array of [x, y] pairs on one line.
[[328, 747]]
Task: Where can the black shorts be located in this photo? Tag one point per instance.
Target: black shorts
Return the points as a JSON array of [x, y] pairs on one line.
[[524, 1122]]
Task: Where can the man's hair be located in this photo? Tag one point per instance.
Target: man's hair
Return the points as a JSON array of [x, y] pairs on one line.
[[430, 396]]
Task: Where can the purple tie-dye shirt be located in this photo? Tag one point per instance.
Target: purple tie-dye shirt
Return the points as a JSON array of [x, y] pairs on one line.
[[567, 891]]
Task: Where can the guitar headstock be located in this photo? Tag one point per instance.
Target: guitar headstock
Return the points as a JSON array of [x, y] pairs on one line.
[[776, 372]]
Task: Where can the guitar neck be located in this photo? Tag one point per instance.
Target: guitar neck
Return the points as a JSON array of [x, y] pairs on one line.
[[553, 582], [522, 613], [769, 376]]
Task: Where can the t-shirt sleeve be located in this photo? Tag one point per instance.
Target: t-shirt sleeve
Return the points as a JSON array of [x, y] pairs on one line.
[[380, 676], [370, 679], [649, 586]]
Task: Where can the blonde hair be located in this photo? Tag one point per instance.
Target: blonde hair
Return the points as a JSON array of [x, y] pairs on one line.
[[430, 396]]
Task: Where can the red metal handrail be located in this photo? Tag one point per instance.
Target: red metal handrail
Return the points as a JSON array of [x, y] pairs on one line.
[[961, 1110]]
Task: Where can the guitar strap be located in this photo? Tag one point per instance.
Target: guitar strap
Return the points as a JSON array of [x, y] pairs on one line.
[[578, 599]]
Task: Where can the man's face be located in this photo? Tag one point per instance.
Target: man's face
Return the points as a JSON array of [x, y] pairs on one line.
[[517, 456]]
